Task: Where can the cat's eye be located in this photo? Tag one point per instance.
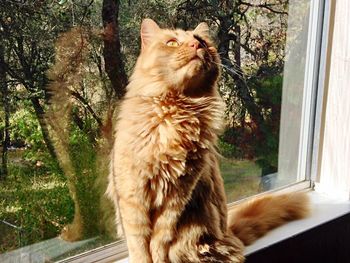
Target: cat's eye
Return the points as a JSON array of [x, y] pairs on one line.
[[172, 43]]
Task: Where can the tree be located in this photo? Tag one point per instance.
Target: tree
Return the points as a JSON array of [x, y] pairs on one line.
[[6, 108]]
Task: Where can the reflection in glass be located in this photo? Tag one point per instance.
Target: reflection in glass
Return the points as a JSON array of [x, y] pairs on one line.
[[63, 70]]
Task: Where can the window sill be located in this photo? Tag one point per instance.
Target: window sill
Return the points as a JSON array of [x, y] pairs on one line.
[[325, 210]]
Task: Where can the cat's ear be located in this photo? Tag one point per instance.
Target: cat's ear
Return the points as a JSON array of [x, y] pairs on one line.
[[148, 29], [202, 29]]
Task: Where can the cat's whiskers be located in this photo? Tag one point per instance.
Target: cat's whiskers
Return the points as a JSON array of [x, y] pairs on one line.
[[239, 73]]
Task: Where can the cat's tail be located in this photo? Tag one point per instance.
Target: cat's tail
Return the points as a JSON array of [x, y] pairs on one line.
[[252, 219]]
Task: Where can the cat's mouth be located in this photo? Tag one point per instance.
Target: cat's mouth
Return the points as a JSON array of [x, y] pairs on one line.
[[199, 55], [195, 58], [202, 58], [198, 61]]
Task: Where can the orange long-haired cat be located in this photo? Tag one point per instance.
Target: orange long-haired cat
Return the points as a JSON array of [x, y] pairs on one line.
[[165, 180]]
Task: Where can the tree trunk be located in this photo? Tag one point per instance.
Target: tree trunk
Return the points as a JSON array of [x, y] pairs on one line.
[[6, 107], [243, 91], [114, 65], [115, 70], [39, 112]]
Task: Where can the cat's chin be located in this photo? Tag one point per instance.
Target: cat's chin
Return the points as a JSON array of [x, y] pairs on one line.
[[195, 66]]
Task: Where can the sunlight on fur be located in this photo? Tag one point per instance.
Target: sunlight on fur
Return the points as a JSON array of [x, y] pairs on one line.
[[165, 180]]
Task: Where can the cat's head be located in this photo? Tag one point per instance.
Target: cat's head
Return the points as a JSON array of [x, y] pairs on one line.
[[183, 61]]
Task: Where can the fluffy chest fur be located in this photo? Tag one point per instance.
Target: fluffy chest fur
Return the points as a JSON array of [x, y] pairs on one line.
[[163, 134]]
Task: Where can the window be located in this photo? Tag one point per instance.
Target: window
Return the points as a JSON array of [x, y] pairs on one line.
[[61, 78], [286, 149]]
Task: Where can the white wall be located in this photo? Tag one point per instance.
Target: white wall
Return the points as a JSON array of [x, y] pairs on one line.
[[334, 177]]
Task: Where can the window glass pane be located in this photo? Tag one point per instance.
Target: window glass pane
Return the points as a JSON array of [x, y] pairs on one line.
[[295, 93], [63, 69], [272, 152]]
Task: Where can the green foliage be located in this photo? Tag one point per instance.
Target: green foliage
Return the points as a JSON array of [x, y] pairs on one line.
[[26, 132], [227, 150], [268, 90], [248, 140], [25, 129], [269, 94]]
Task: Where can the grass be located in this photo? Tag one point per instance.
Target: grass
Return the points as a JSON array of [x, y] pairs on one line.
[[37, 200], [241, 178]]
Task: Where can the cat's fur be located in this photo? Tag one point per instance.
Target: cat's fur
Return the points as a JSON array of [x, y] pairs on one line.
[[165, 180]]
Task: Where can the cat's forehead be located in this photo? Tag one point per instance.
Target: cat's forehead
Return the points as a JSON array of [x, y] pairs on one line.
[[179, 34]]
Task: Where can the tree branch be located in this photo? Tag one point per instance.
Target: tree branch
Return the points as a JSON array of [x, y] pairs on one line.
[[266, 6], [85, 103]]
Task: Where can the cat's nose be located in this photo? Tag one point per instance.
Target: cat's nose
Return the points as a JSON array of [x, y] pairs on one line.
[[194, 44]]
